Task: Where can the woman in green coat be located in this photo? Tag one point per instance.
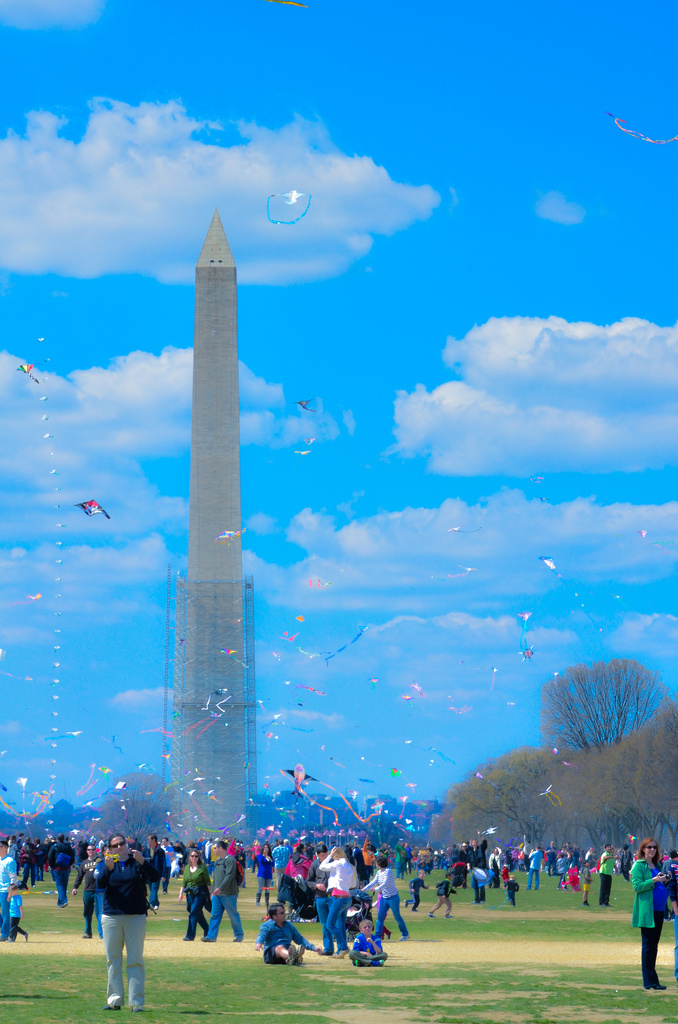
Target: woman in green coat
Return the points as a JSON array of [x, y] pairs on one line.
[[648, 908], [196, 886]]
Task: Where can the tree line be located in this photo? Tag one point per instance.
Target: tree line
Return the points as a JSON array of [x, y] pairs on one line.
[[607, 769]]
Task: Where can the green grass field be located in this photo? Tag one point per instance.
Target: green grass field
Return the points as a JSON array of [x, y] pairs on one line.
[[548, 960]]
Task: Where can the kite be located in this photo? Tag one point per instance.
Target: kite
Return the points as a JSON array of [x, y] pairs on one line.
[[308, 452], [26, 368], [300, 777], [417, 687], [321, 693], [619, 121], [29, 597], [553, 797], [461, 711], [548, 561], [407, 696], [304, 403], [299, 618], [328, 657], [228, 535], [291, 3], [368, 780], [396, 771], [92, 508], [318, 582], [528, 653], [290, 198], [458, 529], [489, 831]]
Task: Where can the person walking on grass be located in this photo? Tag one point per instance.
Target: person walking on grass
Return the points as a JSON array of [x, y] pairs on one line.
[[156, 856], [649, 885], [86, 875], [443, 890], [606, 870], [8, 876], [384, 883], [196, 887], [123, 876], [224, 894], [61, 858], [15, 914]]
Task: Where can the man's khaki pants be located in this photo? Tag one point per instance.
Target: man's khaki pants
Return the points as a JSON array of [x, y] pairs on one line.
[[126, 930]]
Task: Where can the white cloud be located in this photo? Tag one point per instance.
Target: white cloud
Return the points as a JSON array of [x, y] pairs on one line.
[[409, 561], [136, 194], [260, 522], [554, 206], [133, 699], [35, 14], [349, 421], [544, 394]]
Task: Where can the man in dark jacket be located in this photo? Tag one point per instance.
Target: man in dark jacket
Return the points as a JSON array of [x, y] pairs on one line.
[[123, 878], [317, 881], [60, 860], [477, 858], [156, 856], [626, 861], [224, 895], [86, 875]]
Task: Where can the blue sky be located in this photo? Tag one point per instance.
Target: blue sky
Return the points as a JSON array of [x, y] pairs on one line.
[[481, 293]]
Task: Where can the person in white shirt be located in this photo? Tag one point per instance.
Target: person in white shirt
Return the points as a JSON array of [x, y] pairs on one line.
[[8, 876], [342, 878], [384, 882]]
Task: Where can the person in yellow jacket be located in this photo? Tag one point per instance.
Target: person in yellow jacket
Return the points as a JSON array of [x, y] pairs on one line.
[[648, 907]]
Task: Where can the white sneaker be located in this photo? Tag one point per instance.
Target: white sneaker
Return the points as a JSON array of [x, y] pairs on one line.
[[403, 938]]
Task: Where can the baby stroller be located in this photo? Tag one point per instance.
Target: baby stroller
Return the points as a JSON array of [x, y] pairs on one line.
[[301, 899], [459, 869], [360, 910]]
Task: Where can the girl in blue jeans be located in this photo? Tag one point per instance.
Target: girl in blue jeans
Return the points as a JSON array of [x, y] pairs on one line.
[[340, 865]]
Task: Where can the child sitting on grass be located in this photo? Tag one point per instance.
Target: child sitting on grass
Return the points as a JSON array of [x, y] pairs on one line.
[[367, 951], [15, 913], [416, 885]]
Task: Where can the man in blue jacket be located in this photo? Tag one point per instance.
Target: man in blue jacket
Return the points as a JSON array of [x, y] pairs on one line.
[[277, 938], [155, 855]]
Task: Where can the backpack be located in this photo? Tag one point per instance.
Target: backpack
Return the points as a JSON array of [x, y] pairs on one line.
[[62, 861]]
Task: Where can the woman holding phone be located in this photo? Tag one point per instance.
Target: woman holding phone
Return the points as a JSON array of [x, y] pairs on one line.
[[649, 906]]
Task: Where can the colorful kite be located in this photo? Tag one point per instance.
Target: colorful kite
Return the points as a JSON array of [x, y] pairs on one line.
[[619, 121], [289, 197], [227, 536], [92, 508], [26, 368], [553, 797]]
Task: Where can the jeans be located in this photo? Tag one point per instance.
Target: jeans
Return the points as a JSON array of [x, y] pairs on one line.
[[322, 906], [230, 905], [387, 903], [4, 909], [126, 930], [153, 895], [650, 941], [89, 906], [61, 882], [336, 919], [479, 890], [32, 870], [165, 880], [264, 883], [99, 909], [604, 895], [533, 873], [195, 904], [400, 869]]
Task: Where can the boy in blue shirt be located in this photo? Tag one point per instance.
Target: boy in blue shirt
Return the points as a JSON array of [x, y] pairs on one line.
[[416, 885], [367, 952], [15, 913]]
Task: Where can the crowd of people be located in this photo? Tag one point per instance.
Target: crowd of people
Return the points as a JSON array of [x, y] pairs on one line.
[[121, 880]]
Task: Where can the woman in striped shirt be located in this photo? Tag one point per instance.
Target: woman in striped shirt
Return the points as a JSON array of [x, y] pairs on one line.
[[384, 882]]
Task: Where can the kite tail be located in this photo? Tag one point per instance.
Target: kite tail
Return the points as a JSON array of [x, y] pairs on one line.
[[317, 804]]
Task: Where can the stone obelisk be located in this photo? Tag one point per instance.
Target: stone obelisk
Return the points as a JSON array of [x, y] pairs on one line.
[[213, 746]]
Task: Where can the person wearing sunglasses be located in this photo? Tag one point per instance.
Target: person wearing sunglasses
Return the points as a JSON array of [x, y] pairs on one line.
[[649, 885], [123, 876]]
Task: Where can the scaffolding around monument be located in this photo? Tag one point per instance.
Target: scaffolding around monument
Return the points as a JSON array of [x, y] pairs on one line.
[[214, 757]]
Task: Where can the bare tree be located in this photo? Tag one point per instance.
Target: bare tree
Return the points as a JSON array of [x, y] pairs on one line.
[[593, 706], [136, 810]]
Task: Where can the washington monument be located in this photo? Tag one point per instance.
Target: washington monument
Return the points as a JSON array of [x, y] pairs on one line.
[[213, 735]]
